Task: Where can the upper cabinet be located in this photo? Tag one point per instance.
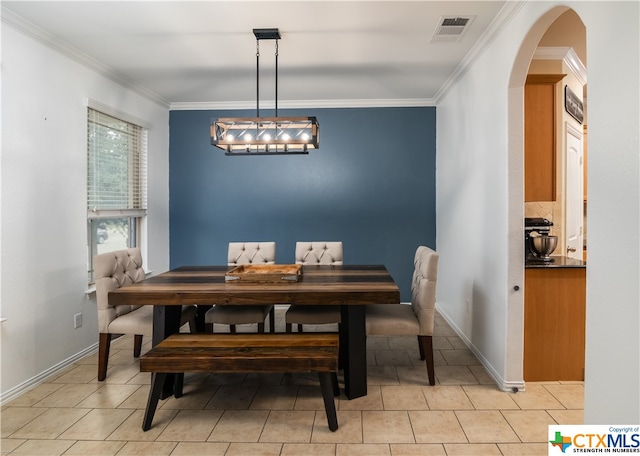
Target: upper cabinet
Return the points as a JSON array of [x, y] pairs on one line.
[[540, 137]]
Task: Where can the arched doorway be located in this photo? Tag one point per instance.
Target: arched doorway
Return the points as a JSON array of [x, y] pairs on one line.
[[520, 69]]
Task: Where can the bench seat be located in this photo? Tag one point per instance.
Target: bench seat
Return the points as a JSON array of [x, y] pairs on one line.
[[246, 353]]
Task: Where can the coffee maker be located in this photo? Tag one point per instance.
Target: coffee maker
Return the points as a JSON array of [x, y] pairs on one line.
[[538, 245]]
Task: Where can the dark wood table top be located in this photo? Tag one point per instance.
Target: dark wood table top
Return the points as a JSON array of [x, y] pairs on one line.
[[326, 285]]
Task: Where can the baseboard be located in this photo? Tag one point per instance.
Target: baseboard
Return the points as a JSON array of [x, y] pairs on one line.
[[22, 388], [503, 384]]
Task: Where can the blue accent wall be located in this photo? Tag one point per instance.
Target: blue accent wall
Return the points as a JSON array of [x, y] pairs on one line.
[[371, 185]]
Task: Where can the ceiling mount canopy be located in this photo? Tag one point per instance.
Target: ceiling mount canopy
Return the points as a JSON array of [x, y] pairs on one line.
[[265, 135]]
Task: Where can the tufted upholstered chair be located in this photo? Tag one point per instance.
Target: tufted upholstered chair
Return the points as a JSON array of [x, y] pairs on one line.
[[251, 253], [318, 253], [416, 319], [240, 253], [114, 270]]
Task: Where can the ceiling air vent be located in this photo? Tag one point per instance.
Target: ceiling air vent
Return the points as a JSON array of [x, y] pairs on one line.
[[451, 29]]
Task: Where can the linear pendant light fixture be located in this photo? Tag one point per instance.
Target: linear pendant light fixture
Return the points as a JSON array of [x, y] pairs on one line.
[[265, 135]]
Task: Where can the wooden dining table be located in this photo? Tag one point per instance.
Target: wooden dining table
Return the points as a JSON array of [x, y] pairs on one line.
[[352, 287]]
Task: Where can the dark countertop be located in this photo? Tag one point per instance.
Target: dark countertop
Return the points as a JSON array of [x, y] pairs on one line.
[[558, 262]]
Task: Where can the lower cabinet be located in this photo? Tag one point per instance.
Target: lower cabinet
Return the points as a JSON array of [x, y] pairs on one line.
[[554, 324]]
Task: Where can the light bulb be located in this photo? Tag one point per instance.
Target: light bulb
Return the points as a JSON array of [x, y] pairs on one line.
[[305, 136], [247, 137], [267, 137], [286, 137], [230, 138]]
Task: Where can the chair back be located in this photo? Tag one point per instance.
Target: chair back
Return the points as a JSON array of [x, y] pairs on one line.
[[319, 253], [423, 288], [112, 271], [251, 252]]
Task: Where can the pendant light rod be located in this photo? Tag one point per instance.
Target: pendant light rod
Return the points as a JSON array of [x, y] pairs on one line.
[[257, 77], [276, 78], [265, 34]]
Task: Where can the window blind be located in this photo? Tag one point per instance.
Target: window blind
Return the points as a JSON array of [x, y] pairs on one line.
[[117, 167]]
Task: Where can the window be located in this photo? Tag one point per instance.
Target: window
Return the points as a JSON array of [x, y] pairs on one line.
[[116, 183]]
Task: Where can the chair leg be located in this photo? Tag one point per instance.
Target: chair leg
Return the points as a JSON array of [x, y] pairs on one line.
[[334, 383], [157, 383], [261, 328], [208, 327], [232, 329], [178, 384], [327, 396], [104, 344], [288, 327], [200, 317], [137, 345], [421, 348], [299, 328], [272, 320], [193, 326], [427, 345]]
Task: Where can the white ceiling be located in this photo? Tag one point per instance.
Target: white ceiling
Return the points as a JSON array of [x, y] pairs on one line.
[[331, 53]]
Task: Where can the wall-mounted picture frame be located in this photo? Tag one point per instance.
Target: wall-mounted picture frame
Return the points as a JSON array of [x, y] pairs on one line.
[[573, 105]]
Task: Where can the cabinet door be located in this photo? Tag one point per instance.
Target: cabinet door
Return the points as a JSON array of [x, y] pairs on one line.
[[540, 137], [554, 324]]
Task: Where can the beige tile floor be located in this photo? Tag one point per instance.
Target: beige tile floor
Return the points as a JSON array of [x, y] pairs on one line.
[[224, 414]]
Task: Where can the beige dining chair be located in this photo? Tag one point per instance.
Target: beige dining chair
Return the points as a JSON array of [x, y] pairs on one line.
[[113, 270], [314, 253], [240, 253], [414, 319]]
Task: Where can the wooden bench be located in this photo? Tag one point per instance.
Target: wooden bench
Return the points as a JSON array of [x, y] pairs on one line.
[[202, 352]]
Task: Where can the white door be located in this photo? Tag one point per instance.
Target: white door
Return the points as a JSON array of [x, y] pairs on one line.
[[574, 218]]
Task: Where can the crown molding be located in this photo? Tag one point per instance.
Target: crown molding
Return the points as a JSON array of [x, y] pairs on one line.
[[495, 28], [568, 57], [40, 35], [303, 104], [503, 17]]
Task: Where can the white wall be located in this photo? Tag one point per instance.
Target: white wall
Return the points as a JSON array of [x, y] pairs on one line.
[[613, 286], [479, 203], [472, 206], [44, 238]]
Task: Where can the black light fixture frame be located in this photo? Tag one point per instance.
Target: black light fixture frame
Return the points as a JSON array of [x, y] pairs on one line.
[[305, 129]]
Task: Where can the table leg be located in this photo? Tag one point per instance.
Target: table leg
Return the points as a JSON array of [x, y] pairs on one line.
[[354, 350], [166, 321]]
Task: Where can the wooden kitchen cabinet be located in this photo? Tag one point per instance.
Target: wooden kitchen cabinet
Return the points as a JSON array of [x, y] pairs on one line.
[[540, 107], [554, 324]]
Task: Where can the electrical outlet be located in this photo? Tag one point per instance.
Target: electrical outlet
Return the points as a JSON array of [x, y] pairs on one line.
[[77, 320]]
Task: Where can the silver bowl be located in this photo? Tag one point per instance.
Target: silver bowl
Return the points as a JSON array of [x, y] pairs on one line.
[[543, 246]]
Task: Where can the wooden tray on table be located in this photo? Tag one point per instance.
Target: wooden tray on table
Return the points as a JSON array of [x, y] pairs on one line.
[[264, 273]]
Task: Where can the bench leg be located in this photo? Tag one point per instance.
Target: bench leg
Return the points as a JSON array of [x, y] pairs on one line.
[[157, 383], [326, 383]]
